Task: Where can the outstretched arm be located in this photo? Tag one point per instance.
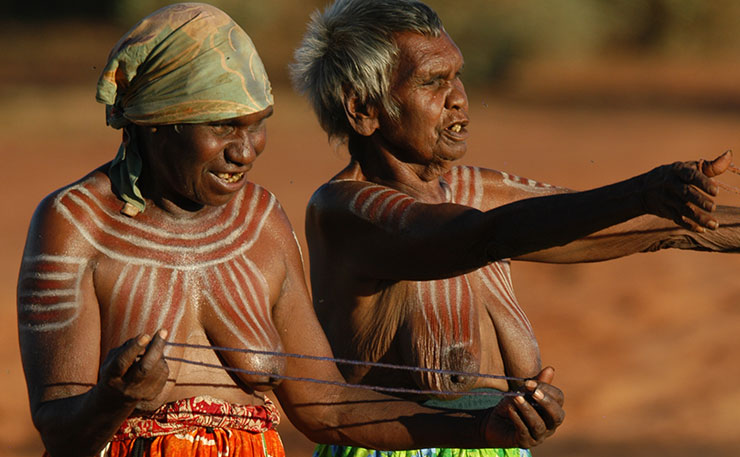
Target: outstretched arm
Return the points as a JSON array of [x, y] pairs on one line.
[[650, 233], [381, 233]]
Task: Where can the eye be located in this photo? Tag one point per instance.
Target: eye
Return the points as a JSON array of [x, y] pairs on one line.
[[257, 126], [435, 81], [221, 129]]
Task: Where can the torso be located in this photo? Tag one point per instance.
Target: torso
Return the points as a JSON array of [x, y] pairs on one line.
[[469, 323], [208, 282]]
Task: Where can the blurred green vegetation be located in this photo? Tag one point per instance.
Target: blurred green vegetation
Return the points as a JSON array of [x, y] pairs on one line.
[[493, 34]]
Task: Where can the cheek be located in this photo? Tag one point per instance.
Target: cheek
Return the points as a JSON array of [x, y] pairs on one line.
[[259, 142]]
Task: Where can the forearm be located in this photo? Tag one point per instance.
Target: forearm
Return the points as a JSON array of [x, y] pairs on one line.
[[540, 223], [367, 419], [80, 425]]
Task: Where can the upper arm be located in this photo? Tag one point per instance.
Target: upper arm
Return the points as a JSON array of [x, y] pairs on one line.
[[377, 232], [300, 333], [58, 315]]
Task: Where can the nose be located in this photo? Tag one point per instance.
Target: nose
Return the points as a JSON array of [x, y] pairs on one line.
[[457, 98], [241, 150]]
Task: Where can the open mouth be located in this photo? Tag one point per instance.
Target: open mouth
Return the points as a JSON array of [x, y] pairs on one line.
[[458, 127], [230, 177]]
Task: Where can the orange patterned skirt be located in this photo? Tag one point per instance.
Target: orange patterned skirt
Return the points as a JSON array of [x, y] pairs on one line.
[[200, 427]]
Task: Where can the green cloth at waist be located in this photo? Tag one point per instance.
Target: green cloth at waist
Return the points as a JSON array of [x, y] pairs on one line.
[[467, 402]]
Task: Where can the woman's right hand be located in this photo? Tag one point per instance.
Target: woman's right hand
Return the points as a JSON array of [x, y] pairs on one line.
[[136, 371], [683, 191]]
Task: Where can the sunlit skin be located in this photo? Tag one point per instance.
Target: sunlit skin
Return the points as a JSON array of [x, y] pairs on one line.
[[201, 244], [212, 260], [410, 252], [220, 154]]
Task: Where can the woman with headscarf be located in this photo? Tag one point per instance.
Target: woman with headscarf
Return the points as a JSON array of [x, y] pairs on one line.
[[136, 279]]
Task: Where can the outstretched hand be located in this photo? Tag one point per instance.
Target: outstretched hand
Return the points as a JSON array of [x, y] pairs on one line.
[[136, 370], [683, 192], [525, 421]]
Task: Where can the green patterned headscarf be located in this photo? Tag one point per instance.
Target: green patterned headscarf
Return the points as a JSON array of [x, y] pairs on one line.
[[186, 63]]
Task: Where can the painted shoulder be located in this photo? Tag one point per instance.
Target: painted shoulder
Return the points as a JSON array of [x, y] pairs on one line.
[[375, 203], [95, 215]]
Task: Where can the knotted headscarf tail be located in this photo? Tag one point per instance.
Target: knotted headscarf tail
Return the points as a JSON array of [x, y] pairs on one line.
[[186, 63]]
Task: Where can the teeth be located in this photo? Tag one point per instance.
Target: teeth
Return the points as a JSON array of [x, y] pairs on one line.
[[456, 128], [230, 177]]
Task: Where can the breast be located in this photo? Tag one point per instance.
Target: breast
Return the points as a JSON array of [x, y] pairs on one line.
[[441, 332]]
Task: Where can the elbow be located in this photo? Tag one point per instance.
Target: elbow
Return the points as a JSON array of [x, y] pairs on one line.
[[58, 442], [322, 431]]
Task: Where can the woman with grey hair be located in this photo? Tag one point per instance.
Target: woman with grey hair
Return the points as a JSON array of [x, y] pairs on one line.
[[410, 253], [350, 47]]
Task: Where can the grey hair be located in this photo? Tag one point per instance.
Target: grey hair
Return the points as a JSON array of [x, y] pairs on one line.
[[349, 48]]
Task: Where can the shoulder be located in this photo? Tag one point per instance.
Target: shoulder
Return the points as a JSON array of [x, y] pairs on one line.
[[357, 197], [274, 245], [58, 220], [268, 222], [264, 209]]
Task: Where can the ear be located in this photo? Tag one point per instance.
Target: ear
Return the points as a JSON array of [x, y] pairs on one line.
[[362, 117]]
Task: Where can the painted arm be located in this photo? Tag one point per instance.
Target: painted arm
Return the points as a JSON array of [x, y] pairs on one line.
[[333, 414], [381, 233], [646, 233], [76, 404]]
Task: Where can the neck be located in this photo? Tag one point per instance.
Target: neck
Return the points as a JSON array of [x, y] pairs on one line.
[[380, 165]]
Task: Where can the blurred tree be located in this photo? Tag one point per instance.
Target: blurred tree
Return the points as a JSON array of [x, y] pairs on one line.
[[494, 35]]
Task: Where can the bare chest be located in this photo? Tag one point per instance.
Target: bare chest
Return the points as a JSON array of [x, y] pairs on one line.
[[470, 323], [198, 279]]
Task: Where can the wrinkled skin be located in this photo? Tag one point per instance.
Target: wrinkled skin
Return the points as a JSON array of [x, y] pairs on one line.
[[409, 251]]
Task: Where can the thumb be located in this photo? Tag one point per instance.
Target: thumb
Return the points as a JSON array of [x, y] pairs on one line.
[[125, 355], [546, 375], [718, 165]]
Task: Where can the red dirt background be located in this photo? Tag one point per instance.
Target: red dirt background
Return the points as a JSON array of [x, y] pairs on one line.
[[644, 347]]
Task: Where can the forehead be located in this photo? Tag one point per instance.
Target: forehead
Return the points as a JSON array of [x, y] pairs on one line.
[[249, 119], [420, 54]]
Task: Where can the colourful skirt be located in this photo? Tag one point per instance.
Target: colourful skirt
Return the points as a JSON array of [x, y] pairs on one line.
[[324, 450], [200, 427], [466, 402]]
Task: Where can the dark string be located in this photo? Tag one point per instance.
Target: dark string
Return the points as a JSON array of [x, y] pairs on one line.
[[346, 384], [346, 362]]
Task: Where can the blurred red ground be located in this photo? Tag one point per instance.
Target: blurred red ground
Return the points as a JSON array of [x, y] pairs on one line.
[[644, 347]]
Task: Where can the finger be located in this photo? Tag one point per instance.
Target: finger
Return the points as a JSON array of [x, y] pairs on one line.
[[718, 165], [550, 392], [152, 357], [695, 218], [689, 209], [686, 193], [547, 374], [127, 354], [700, 217], [689, 173], [531, 419], [548, 401]]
